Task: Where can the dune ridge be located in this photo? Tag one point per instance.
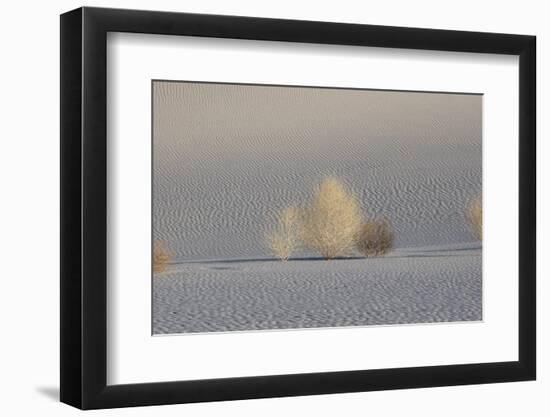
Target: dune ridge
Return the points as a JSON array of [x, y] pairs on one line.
[[227, 158]]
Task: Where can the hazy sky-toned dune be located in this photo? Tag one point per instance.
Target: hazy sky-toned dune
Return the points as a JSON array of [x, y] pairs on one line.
[[228, 157]]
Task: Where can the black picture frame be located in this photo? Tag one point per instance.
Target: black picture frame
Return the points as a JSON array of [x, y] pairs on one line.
[[84, 207]]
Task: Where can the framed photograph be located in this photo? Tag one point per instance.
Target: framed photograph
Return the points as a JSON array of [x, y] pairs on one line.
[[259, 208]]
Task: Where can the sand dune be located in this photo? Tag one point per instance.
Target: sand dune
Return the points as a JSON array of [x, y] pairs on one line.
[[227, 158], [257, 295]]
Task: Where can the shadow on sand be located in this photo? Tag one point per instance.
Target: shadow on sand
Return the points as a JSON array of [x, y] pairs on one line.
[[398, 254]]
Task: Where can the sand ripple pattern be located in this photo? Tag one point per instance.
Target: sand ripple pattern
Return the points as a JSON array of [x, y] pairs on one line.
[[228, 157], [257, 295]]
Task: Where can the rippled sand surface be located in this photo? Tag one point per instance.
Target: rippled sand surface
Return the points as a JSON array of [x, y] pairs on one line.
[[227, 158], [258, 294]]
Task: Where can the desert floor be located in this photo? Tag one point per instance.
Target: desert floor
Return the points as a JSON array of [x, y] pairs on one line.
[[406, 287], [228, 158]]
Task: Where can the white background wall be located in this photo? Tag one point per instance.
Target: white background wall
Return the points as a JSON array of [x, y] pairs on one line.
[[29, 176]]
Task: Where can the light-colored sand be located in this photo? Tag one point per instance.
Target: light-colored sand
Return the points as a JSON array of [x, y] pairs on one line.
[[408, 287], [227, 157]]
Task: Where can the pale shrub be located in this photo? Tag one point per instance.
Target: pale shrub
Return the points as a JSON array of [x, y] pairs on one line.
[[375, 238], [284, 240], [332, 219], [161, 257], [474, 214]]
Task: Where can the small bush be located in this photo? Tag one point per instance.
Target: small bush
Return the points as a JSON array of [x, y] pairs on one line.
[[331, 221], [474, 214], [161, 257], [375, 238], [283, 241]]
